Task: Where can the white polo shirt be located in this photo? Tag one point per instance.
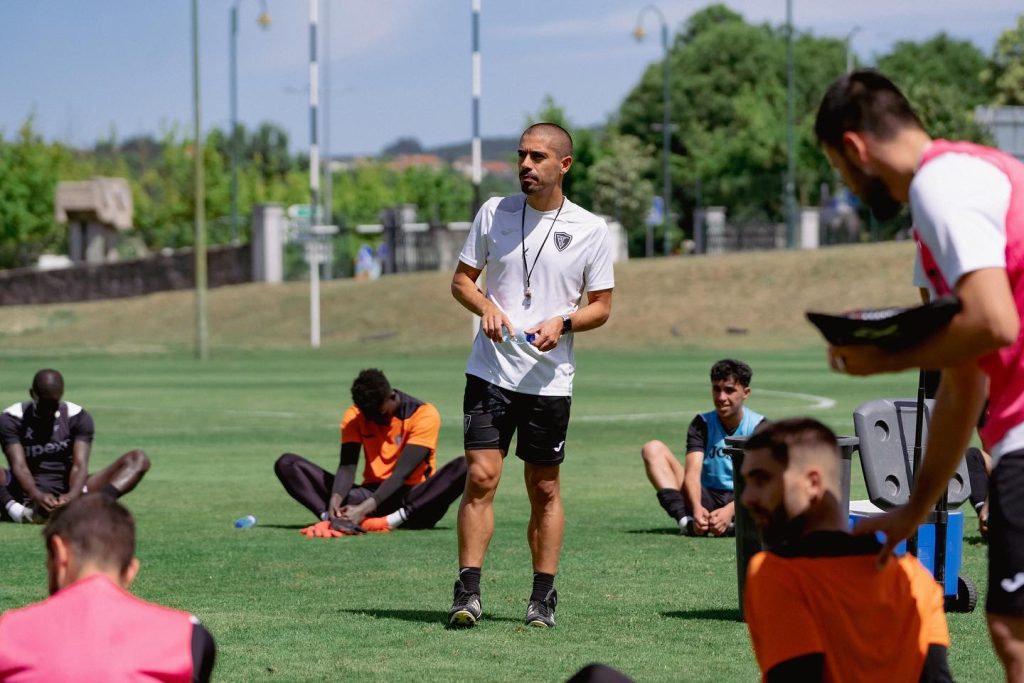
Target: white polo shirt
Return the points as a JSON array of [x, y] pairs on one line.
[[572, 255]]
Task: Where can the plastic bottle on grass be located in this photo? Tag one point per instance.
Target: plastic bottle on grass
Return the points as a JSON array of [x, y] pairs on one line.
[[245, 522]]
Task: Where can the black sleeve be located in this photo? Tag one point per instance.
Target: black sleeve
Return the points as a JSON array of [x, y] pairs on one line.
[[346, 475], [936, 667], [82, 427], [697, 435], [804, 669], [409, 460], [204, 652]]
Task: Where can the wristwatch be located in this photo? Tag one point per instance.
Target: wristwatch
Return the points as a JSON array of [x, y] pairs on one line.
[[566, 324]]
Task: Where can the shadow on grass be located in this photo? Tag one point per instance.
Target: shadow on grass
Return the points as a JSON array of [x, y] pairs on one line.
[[422, 616], [659, 531], [283, 526], [705, 614], [975, 540]]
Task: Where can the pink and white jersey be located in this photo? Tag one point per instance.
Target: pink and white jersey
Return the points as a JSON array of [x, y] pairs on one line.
[[93, 630], [968, 206]]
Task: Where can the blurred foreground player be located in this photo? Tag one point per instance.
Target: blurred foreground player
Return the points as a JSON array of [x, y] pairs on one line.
[[817, 605], [91, 628], [698, 493], [47, 442], [967, 203], [401, 484]]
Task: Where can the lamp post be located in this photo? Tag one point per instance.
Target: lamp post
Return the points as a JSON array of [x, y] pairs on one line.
[[666, 132], [200, 197], [476, 147], [849, 52], [264, 22]]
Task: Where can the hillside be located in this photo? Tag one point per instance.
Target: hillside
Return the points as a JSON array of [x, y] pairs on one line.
[[749, 300]]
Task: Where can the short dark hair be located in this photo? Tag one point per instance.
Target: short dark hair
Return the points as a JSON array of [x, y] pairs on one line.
[[370, 389], [48, 383], [731, 368], [866, 101], [564, 146], [97, 529], [779, 437]]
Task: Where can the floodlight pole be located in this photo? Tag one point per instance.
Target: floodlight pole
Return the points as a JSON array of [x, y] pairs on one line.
[[477, 150], [200, 196], [849, 50], [314, 179], [328, 180], [790, 133], [666, 134]]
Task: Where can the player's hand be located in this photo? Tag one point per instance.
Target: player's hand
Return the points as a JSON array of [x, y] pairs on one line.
[[47, 502], [334, 505], [897, 524], [357, 513], [983, 520], [701, 521], [861, 360], [547, 334], [492, 319], [718, 521], [320, 530]]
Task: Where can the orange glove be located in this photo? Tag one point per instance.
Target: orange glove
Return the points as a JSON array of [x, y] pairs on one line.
[[321, 530], [376, 524]]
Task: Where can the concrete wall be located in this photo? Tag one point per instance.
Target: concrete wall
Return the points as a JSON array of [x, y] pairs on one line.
[[86, 282]]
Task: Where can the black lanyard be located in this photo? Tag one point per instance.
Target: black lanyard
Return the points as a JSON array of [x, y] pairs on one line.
[[527, 272]]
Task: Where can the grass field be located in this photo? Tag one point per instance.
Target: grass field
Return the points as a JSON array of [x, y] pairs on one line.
[[284, 608]]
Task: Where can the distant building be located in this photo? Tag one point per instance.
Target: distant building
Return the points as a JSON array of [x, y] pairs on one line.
[[492, 167], [404, 161], [1006, 125]]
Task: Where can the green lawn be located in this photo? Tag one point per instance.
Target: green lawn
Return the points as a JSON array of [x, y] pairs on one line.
[[633, 594]]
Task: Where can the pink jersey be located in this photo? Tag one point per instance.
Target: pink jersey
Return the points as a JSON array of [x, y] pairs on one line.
[[93, 630], [1005, 367]]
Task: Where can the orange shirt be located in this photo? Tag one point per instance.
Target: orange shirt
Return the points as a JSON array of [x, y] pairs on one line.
[[827, 595], [415, 422]]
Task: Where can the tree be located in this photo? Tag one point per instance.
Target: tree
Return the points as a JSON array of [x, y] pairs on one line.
[[939, 61], [621, 186], [403, 145], [1006, 73]]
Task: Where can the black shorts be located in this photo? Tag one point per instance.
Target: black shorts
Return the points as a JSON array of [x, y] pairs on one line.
[[1006, 537], [491, 415], [710, 499]]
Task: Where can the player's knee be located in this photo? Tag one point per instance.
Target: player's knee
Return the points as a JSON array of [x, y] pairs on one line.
[[481, 479], [1008, 645], [652, 450], [543, 490], [285, 463], [138, 460]]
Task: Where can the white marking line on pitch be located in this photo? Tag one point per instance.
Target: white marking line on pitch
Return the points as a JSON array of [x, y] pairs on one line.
[[817, 403]]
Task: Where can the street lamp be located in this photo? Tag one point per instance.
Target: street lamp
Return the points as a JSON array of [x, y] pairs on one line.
[[666, 131], [790, 190], [264, 22], [849, 52]]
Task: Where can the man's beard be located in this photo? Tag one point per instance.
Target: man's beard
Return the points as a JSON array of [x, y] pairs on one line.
[[880, 200], [781, 529]]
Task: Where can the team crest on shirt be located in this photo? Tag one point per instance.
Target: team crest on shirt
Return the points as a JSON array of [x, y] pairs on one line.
[[562, 240]]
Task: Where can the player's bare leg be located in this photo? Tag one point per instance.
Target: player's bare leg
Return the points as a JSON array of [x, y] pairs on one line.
[[123, 474], [1008, 638], [476, 511], [664, 470]]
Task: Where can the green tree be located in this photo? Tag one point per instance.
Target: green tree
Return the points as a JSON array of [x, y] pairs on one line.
[[622, 188], [1006, 73], [29, 172], [939, 61]]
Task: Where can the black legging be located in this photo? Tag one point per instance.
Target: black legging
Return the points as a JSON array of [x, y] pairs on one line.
[[425, 503]]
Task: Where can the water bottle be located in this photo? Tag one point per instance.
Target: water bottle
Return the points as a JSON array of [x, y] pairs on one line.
[[521, 338], [245, 522]]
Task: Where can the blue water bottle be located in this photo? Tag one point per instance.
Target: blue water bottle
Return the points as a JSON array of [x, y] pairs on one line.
[[245, 522]]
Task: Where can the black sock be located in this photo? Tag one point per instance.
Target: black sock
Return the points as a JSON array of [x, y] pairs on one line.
[[110, 491], [672, 502], [470, 578], [542, 585]]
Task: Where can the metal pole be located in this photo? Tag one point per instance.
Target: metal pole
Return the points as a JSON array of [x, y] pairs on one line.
[[477, 150], [849, 50], [666, 135], [314, 180], [328, 180], [790, 133], [200, 197], [233, 89]]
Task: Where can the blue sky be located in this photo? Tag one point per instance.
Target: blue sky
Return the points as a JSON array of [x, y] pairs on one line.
[[398, 67]]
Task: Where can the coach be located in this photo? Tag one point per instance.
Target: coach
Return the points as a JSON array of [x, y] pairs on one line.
[[541, 252]]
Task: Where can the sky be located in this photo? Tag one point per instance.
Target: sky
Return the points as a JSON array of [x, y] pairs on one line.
[[397, 68]]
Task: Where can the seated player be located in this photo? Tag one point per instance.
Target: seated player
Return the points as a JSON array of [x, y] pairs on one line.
[[47, 442], [401, 484], [698, 493], [817, 605], [91, 628]]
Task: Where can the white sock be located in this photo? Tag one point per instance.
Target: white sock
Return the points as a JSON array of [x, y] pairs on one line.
[[324, 516], [396, 518], [18, 512]]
